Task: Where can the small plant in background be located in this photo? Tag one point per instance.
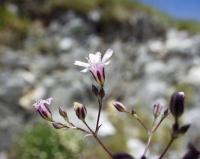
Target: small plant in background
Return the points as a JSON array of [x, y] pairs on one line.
[[42, 142], [96, 66]]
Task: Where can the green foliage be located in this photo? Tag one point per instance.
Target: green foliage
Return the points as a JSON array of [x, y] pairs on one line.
[[78, 5], [191, 26], [9, 20], [43, 142]]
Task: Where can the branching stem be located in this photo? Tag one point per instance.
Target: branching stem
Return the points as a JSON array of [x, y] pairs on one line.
[[98, 140]]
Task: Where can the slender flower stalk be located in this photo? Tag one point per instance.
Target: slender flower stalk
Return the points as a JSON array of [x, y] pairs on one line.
[[98, 140], [99, 114], [167, 147], [155, 126], [133, 113], [96, 65]]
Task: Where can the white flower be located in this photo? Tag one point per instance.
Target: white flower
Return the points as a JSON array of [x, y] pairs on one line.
[[96, 64]]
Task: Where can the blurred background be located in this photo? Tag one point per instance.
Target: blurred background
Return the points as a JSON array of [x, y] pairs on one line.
[[156, 47]]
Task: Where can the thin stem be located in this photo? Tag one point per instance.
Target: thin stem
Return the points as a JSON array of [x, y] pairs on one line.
[[156, 127], [98, 140], [140, 121], [151, 133], [85, 131], [99, 114], [167, 147], [149, 138], [78, 128]]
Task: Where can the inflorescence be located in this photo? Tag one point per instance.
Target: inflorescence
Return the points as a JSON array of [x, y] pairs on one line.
[[96, 66]]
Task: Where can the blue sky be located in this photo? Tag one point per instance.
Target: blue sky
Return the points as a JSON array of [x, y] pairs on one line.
[[180, 9]]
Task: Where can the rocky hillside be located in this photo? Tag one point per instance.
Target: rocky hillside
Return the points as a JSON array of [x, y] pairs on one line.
[[150, 61]]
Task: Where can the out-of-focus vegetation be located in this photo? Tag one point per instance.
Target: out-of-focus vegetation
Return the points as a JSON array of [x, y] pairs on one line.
[[112, 10], [43, 142], [191, 26]]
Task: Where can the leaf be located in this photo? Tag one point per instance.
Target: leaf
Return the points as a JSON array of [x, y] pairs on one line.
[[95, 90], [184, 129]]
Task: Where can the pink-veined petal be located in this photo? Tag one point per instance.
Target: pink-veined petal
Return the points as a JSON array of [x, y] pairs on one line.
[[82, 64], [107, 55]]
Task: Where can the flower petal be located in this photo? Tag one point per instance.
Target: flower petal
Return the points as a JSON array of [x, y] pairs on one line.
[[84, 70], [82, 64], [107, 55], [92, 58], [48, 101], [98, 57]]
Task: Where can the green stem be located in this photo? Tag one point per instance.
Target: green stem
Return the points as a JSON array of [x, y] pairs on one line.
[[140, 121]]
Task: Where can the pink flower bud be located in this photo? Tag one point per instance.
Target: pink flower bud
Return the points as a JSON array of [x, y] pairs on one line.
[[157, 108], [57, 125], [119, 106], [63, 113], [80, 110], [42, 107]]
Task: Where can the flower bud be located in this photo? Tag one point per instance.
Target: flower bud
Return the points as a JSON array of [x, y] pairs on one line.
[[157, 108], [122, 156], [98, 73], [166, 112], [119, 106], [80, 110], [63, 113], [42, 107], [177, 104], [57, 125]]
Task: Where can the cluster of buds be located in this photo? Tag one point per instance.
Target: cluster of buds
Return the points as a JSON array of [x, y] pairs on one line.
[[96, 66], [42, 107]]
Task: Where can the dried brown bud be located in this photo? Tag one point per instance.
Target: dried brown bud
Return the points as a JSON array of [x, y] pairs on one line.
[[119, 106], [80, 110], [177, 104]]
